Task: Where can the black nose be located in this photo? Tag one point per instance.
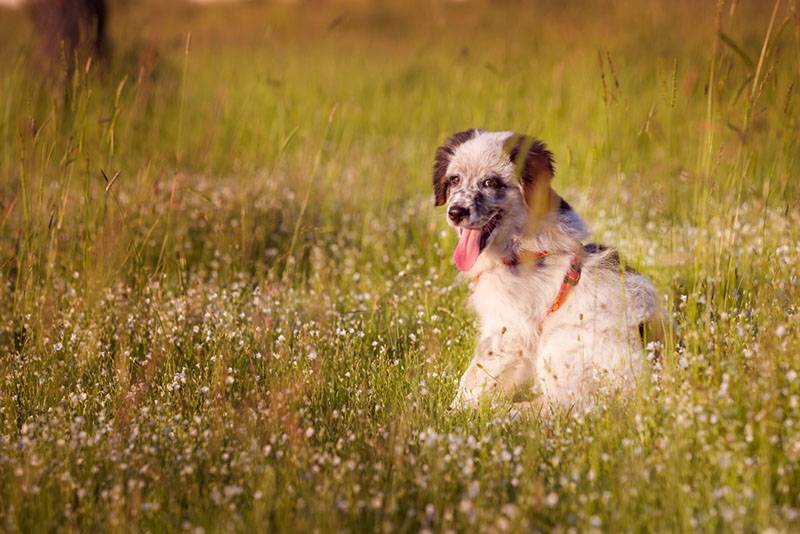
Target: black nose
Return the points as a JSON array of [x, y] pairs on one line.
[[457, 213]]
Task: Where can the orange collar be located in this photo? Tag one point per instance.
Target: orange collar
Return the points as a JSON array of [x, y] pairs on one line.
[[523, 256], [571, 278]]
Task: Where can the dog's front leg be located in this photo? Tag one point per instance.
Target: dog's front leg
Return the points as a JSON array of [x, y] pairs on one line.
[[476, 380], [501, 366]]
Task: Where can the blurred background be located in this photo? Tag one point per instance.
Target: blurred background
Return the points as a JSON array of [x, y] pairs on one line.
[[648, 88], [674, 99]]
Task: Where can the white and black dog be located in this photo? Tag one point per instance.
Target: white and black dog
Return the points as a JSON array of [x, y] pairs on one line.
[[557, 318]]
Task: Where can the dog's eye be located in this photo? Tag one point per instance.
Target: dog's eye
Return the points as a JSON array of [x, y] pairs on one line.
[[455, 180], [491, 182]]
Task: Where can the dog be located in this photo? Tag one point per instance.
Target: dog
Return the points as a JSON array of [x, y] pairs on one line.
[[557, 319]]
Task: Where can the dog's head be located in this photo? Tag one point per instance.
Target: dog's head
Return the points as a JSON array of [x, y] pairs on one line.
[[494, 184]]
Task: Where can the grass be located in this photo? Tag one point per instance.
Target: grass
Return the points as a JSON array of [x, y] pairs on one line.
[[226, 301]]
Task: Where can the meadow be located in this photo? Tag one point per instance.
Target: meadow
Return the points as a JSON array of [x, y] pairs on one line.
[[227, 302]]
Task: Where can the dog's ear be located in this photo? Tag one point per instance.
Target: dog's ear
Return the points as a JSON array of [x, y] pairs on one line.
[[532, 160], [442, 160], [534, 166]]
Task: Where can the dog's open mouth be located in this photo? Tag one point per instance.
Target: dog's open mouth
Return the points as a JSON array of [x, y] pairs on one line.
[[472, 241]]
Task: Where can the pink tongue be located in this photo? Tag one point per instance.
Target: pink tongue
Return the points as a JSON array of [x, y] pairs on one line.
[[468, 249]]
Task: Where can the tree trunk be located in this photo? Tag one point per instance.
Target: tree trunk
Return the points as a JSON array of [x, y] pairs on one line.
[[70, 31]]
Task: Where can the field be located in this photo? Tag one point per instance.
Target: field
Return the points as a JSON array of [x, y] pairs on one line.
[[227, 302]]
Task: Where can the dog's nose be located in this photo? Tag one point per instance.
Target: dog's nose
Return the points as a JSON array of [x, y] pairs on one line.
[[456, 213]]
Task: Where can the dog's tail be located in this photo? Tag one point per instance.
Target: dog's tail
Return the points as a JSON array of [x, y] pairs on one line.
[[657, 328], [645, 308]]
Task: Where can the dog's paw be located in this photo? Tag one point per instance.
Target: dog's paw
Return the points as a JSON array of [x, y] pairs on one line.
[[528, 409]]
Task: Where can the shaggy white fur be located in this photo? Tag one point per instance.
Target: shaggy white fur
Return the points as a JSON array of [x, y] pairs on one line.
[[560, 357]]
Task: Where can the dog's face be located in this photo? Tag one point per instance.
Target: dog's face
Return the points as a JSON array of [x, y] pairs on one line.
[[488, 180]]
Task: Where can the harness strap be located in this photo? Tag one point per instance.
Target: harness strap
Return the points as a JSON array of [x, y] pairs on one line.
[[571, 278]]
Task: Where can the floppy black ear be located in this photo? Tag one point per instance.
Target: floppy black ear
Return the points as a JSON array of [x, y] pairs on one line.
[[442, 160], [531, 158], [533, 163]]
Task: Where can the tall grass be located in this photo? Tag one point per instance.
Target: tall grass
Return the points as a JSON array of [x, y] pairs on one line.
[[226, 301]]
